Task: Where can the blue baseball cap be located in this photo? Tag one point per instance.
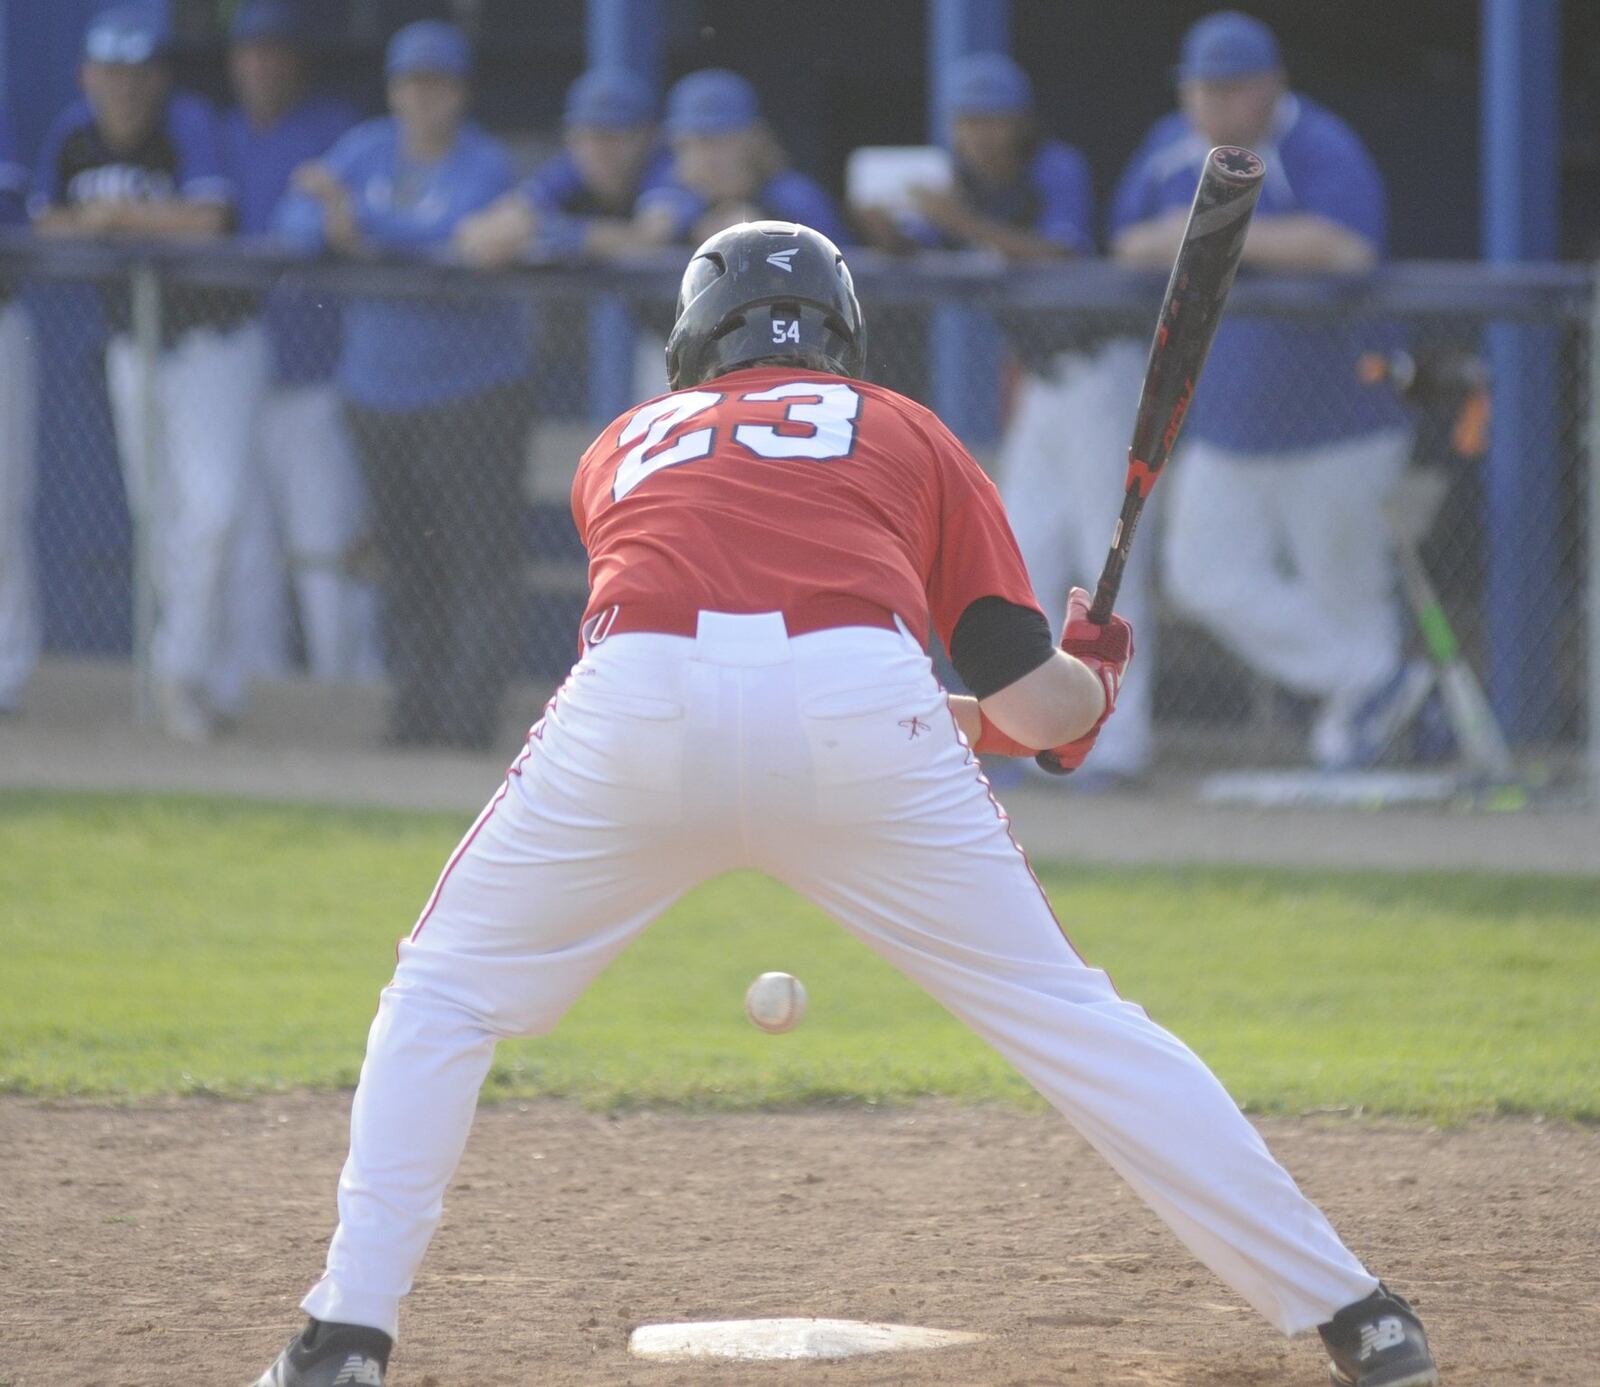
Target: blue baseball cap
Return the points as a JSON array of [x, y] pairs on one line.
[[1227, 45], [429, 45], [988, 84], [712, 101], [266, 20], [126, 34], [610, 98]]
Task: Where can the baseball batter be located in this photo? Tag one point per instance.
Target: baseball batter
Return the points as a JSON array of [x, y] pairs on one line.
[[767, 545]]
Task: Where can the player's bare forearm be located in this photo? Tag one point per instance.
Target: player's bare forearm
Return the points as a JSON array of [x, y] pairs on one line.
[[954, 216], [59, 221], [1058, 702], [1152, 243], [1015, 243], [607, 237], [500, 235], [1306, 242], [169, 219], [964, 709], [655, 226]]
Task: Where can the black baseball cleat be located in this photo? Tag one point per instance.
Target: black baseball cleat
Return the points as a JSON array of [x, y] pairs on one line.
[[331, 1355], [1378, 1342]]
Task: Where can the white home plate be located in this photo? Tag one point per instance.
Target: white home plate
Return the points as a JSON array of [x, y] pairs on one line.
[[756, 1340]]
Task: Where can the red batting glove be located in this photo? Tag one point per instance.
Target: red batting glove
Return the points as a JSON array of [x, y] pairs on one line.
[[1107, 650]]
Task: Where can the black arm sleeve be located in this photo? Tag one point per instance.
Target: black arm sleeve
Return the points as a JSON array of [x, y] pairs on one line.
[[996, 642]]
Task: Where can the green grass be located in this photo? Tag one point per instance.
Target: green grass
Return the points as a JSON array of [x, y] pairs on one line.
[[156, 945]]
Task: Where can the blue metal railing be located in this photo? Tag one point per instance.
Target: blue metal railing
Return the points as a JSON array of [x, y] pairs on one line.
[[1540, 398]]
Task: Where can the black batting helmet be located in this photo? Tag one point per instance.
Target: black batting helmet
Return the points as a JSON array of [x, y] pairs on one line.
[[765, 291]]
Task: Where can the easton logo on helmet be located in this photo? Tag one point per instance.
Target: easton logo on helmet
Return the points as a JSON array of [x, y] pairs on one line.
[[782, 258]]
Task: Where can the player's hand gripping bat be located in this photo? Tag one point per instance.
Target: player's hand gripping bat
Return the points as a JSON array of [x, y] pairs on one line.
[[1201, 277]]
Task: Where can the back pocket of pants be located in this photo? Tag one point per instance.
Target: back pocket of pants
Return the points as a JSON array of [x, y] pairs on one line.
[[865, 743], [619, 756]]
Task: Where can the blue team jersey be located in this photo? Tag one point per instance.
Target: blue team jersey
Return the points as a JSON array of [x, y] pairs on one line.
[[180, 158], [261, 160], [1053, 198], [408, 353], [304, 330], [13, 177], [785, 197], [1317, 164], [566, 207]]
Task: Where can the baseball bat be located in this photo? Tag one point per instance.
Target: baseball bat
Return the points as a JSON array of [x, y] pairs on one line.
[[1202, 275], [1410, 512], [1483, 746]]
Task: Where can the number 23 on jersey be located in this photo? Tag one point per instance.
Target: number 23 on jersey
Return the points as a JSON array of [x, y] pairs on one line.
[[829, 408]]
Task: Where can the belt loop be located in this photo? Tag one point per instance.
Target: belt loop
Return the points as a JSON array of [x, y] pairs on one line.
[[756, 638], [598, 627]]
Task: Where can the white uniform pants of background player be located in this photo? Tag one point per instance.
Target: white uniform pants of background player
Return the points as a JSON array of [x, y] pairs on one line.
[[199, 495], [1286, 559], [831, 762], [1061, 467], [19, 597], [319, 510]]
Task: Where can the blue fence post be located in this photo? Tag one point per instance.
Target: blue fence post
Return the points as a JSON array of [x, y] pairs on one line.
[[1520, 76], [631, 34], [627, 33], [964, 344], [40, 42]]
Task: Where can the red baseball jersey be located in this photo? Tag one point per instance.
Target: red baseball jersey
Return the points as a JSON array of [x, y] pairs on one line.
[[787, 490]]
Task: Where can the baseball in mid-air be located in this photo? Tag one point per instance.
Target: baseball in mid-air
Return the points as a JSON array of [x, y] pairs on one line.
[[775, 1002]]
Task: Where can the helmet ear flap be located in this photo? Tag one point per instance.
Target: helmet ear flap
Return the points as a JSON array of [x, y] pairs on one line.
[[703, 271]]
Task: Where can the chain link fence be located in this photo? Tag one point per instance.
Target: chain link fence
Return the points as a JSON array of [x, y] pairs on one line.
[[226, 467]]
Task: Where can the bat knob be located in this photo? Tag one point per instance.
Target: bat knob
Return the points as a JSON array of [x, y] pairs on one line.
[[1049, 761], [1236, 164]]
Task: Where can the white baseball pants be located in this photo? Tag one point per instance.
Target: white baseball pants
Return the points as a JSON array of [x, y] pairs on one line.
[[193, 494], [19, 412], [1062, 466], [831, 762], [1286, 558], [320, 506]]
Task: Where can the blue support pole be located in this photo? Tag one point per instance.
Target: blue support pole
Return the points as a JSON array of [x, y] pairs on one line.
[[631, 34], [627, 33], [957, 27], [40, 43], [964, 344], [1520, 78]]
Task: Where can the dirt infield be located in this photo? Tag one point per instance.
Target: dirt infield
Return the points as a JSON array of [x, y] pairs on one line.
[[152, 1246]]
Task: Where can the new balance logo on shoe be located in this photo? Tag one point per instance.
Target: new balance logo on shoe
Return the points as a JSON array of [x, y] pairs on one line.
[[359, 1371], [1385, 1333]]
